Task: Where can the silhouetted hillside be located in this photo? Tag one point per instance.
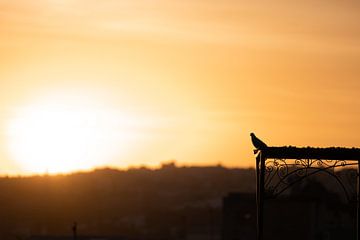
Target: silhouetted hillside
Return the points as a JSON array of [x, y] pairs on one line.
[[138, 202]]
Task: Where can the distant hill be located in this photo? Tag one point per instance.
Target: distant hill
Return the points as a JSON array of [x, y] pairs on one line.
[[134, 202]]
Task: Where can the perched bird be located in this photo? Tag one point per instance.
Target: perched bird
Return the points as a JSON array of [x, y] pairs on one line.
[[258, 144]]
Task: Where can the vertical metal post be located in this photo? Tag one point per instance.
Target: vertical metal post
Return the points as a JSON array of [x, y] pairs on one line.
[[357, 203], [260, 189], [258, 235]]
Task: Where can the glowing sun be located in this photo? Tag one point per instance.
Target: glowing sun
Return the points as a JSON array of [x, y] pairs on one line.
[[65, 133]]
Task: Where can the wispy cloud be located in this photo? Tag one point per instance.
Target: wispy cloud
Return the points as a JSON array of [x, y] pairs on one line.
[[281, 24]]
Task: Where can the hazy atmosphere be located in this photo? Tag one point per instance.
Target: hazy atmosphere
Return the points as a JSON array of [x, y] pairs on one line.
[[122, 83]]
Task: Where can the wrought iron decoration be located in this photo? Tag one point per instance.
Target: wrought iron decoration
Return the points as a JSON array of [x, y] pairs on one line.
[[280, 168]]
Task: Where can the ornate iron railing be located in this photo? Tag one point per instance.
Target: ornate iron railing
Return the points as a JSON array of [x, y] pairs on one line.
[[278, 169], [282, 174]]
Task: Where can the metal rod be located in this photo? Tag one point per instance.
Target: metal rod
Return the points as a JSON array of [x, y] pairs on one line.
[[257, 197], [357, 202], [260, 198]]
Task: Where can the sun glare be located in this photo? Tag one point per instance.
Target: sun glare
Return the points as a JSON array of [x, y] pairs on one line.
[[66, 133]]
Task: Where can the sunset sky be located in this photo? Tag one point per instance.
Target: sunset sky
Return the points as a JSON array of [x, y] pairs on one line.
[[88, 83]]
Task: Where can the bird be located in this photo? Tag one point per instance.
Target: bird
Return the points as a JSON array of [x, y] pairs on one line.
[[258, 144]]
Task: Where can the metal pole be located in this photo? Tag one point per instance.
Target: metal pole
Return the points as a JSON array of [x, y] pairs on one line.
[[258, 237], [357, 203], [260, 195]]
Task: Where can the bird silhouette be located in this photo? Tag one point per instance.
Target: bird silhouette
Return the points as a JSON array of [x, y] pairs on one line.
[[258, 144]]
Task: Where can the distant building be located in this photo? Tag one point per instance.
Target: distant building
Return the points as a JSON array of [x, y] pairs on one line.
[[239, 217], [296, 218]]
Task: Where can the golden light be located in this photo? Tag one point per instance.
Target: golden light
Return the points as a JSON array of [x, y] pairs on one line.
[[63, 133]]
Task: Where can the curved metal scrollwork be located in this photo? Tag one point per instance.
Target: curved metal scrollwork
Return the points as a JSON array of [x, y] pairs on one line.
[[281, 171], [282, 174]]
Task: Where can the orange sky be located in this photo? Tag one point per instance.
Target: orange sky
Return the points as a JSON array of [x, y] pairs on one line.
[[195, 77]]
